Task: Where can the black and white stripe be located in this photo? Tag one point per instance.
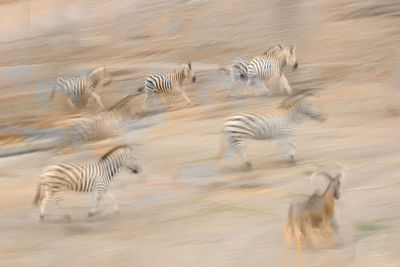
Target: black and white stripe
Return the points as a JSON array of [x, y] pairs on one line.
[[279, 126], [167, 81], [269, 66], [94, 127], [80, 89], [84, 177]]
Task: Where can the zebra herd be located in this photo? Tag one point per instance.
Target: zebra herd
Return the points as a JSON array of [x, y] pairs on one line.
[[238, 129]]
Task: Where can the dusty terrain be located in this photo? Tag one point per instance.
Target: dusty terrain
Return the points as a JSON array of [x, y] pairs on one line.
[[186, 208]]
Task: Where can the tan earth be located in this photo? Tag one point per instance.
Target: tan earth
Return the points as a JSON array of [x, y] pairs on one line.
[[186, 208]]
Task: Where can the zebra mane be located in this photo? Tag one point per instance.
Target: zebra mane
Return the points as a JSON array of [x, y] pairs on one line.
[[106, 155], [276, 49], [273, 50], [94, 71], [296, 98], [183, 66], [122, 103]]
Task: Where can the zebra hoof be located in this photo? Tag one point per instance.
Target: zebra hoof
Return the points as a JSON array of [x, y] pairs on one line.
[[293, 160], [41, 218], [247, 166], [67, 217], [90, 214]]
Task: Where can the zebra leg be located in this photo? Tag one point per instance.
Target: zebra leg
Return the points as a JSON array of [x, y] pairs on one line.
[[250, 82], [293, 151], [283, 148], [265, 88], [228, 154], [273, 82], [284, 84], [246, 163], [287, 147], [258, 83], [71, 103], [98, 198], [180, 90], [97, 99], [240, 147], [111, 197], [43, 204], [148, 98], [58, 199], [234, 86]]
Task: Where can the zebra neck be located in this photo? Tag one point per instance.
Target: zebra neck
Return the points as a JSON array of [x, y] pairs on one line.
[[112, 166], [94, 80], [181, 76]]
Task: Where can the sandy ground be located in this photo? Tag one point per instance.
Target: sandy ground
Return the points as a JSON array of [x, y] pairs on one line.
[[186, 208]]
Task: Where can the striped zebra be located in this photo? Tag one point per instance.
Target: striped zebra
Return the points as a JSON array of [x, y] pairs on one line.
[[80, 89], [254, 70], [84, 177], [279, 126], [165, 82], [94, 127]]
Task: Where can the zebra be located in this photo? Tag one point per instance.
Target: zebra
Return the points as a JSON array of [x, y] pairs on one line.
[[84, 177], [165, 82], [252, 70], [80, 89], [271, 66], [279, 126], [79, 129]]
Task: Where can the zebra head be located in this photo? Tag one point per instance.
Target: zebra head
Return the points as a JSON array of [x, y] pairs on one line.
[[130, 160], [132, 164], [291, 59], [189, 72], [308, 109], [303, 106]]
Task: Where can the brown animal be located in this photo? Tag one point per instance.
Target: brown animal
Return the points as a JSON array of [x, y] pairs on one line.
[[315, 215]]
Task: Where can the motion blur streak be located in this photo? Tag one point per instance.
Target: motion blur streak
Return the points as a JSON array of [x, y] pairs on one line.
[[185, 208]]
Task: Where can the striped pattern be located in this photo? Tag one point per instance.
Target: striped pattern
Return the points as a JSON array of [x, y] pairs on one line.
[[166, 81], [80, 89], [279, 126], [270, 65], [94, 127], [84, 177]]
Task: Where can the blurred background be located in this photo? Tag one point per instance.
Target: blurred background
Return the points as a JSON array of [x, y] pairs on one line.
[[186, 209]]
